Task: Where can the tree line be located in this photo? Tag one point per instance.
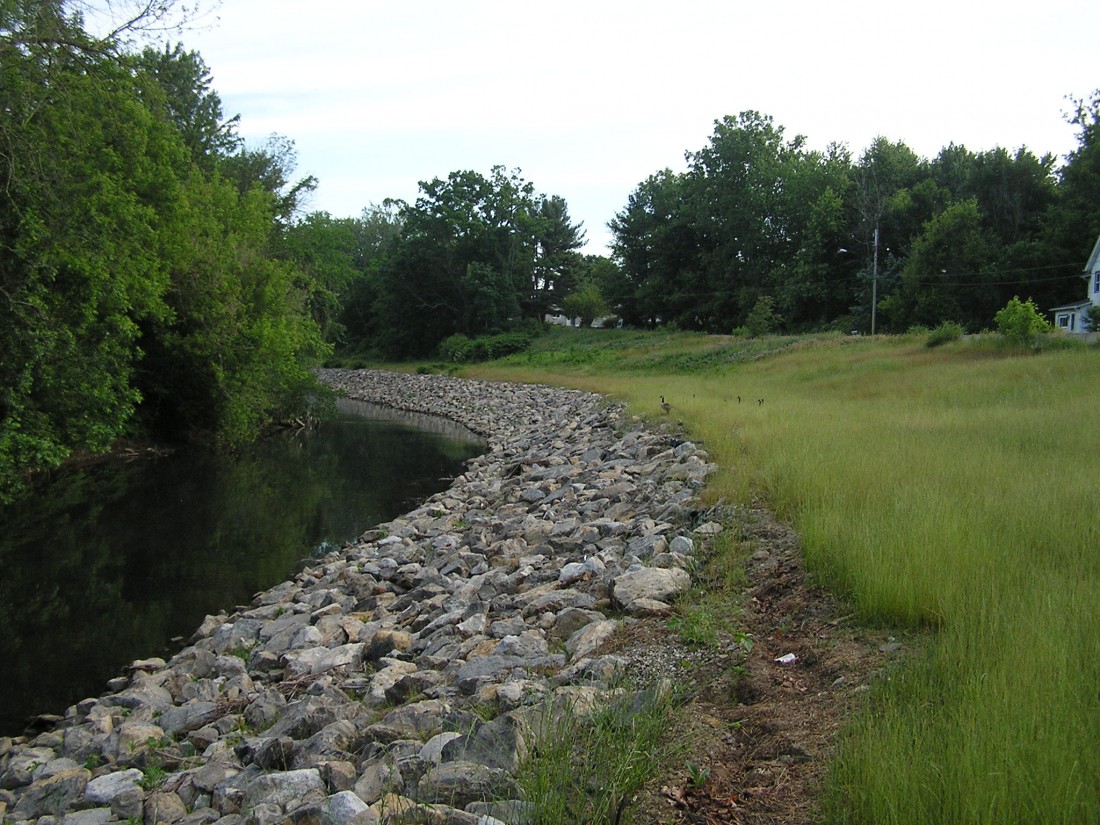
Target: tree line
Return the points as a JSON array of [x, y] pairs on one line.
[[760, 226], [144, 289]]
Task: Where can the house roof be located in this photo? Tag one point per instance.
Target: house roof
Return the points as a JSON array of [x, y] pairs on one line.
[[1080, 305], [1094, 260]]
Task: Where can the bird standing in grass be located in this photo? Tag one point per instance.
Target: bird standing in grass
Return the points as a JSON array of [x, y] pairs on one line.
[[665, 405]]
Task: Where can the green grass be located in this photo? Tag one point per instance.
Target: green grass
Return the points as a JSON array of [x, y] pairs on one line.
[[953, 488], [587, 763]]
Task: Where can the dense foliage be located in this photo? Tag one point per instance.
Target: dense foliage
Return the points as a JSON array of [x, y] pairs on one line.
[[139, 289], [833, 241]]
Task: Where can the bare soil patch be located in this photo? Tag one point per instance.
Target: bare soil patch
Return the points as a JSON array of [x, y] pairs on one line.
[[760, 726]]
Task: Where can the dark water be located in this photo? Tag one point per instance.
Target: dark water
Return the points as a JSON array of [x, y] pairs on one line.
[[109, 563]]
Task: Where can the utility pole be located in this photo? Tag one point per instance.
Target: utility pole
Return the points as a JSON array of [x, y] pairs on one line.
[[874, 282]]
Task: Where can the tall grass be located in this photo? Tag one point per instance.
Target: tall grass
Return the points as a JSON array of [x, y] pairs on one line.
[[587, 763], [953, 488]]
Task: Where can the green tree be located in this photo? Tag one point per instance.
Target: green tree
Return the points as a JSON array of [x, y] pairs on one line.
[[557, 261], [465, 262], [270, 167], [1072, 224], [134, 276], [947, 276], [1021, 321], [762, 318], [88, 173], [326, 252], [585, 303], [188, 101], [655, 246]]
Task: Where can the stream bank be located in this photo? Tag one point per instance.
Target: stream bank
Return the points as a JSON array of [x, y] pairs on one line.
[[358, 689]]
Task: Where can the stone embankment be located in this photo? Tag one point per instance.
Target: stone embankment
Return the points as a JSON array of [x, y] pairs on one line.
[[397, 679]]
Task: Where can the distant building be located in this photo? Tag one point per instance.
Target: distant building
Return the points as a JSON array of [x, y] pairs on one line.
[[1075, 317]]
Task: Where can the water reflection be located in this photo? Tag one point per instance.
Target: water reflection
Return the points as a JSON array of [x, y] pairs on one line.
[[109, 563]]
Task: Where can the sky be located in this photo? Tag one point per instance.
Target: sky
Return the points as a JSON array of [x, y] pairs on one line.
[[588, 99]]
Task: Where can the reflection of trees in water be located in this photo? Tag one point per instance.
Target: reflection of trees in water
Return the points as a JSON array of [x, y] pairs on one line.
[[112, 561]]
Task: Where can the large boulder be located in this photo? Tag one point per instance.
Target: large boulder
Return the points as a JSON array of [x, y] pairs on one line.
[[655, 583]]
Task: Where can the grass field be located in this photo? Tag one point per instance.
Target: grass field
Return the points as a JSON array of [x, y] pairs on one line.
[[952, 488]]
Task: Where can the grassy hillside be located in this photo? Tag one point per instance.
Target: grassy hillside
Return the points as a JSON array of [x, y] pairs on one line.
[[952, 488]]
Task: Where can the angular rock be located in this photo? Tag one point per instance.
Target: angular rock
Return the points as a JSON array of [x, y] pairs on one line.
[[588, 639], [654, 583], [102, 790], [52, 796], [286, 789], [457, 784]]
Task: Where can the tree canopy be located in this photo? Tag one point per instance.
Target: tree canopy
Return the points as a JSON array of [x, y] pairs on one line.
[[138, 289], [757, 214]]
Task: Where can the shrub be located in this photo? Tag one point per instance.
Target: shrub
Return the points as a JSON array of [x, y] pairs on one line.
[[455, 348], [947, 331], [459, 348], [1021, 321], [763, 318]]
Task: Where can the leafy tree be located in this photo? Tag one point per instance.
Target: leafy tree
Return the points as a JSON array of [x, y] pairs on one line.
[[763, 318], [946, 277], [557, 260], [585, 303], [1021, 321], [233, 355], [746, 199], [189, 102], [325, 251], [655, 246], [1072, 224], [87, 173], [134, 278], [467, 259]]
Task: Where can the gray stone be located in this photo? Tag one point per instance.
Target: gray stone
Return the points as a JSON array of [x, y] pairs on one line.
[[164, 807], [530, 644], [53, 795], [500, 744], [682, 545], [343, 807], [102, 790], [377, 778], [286, 789], [420, 720], [654, 583], [338, 775], [128, 804], [188, 717], [91, 816], [588, 639], [459, 783], [433, 748]]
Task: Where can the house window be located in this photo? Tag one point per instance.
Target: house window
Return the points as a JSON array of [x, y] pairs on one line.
[[1096, 281], [1063, 320]]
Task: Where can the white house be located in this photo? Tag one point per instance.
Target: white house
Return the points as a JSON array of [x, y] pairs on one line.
[[1075, 317]]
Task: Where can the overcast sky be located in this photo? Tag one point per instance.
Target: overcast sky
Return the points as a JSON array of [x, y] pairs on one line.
[[590, 98]]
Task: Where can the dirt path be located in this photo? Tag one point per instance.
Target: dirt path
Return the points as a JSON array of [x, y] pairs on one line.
[[762, 726]]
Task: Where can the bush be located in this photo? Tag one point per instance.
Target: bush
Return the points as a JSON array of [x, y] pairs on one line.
[[1021, 321], [460, 349], [947, 331], [763, 318], [455, 348]]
